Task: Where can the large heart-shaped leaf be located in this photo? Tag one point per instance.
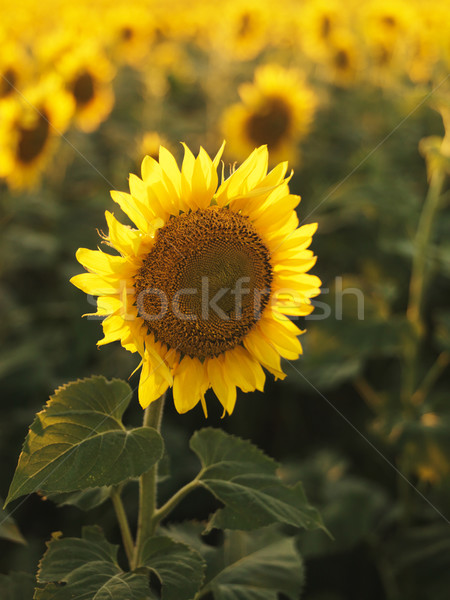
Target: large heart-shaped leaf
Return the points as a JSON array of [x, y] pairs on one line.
[[87, 568], [245, 480], [261, 574], [82, 499], [179, 567], [255, 565], [78, 441]]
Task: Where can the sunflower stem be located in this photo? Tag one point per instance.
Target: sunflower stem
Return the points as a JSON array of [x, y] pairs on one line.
[[127, 538], [419, 279], [439, 366], [167, 508], [423, 237], [148, 487], [417, 290]]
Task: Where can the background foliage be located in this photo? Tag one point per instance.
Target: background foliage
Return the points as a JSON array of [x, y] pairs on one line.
[[362, 419]]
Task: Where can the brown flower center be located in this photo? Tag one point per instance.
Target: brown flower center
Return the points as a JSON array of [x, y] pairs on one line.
[[270, 123], [205, 282], [325, 27], [83, 89], [126, 33], [33, 139], [7, 82], [341, 60]]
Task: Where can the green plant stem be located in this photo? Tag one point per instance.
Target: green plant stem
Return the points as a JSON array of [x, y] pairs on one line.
[[439, 366], [419, 279], [367, 393], [127, 538], [414, 314], [162, 512], [423, 238], [148, 487]]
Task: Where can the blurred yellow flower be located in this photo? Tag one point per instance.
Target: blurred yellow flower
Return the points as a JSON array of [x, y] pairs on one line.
[[88, 75], [277, 110], [243, 29], [343, 62], [15, 68], [202, 287], [131, 29], [30, 124], [150, 144], [317, 23], [387, 26]]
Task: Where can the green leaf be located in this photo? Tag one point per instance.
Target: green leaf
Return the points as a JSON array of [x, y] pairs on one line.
[[260, 573], [179, 567], [256, 565], [84, 499], [8, 528], [78, 441], [245, 480], [17, 586], [87, 568]]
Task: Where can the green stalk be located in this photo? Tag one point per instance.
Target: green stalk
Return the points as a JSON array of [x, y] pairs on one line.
[[439, 366], [148, 487], [162, 512], [127, 538], [423, 238], [419, 280], [414, 313]]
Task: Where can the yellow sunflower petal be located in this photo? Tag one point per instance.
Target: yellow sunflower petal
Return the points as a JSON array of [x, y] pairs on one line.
[[107, 305], [218, 156], [122, 237], [278, 336], [299, 281], [189, 384], [150, 169], [245, 178], [276, 213], [104, 264], [90, 283], [224, 390], [158, 361], [263, 351], [244, 370], [131, 208], [152, 384], [113, 330], [171, 172], [204, 180], [298, 239], [187, 168], [298, 265]]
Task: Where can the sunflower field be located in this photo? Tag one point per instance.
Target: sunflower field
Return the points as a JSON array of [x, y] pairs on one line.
[[149, 150]]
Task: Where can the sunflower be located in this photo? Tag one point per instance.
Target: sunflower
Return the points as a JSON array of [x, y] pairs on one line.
[[244, 30], [317, 23], [88, 75], [30, 125], [343, 63], [387, 27], [202, 286], [132, 29], [277, 110], [15, 68]]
